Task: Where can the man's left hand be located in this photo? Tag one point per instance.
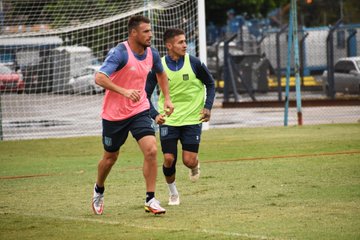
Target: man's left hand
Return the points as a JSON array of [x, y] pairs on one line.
[[168, 107], [205, 115]]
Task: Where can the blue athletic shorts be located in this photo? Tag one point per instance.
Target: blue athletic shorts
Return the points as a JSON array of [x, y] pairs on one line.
[[189, 136], [115, 133]]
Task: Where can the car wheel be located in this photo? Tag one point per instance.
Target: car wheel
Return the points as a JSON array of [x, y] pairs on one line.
[[29, 88], [71, 91]]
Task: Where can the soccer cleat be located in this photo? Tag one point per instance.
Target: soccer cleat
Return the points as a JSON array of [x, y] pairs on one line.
[[194, 173], [98, 203], [174, 200], [154, 207]]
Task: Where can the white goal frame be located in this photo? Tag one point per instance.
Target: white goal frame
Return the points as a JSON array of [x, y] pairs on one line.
[[48, 114]]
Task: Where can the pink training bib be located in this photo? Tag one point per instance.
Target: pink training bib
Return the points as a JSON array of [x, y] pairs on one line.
[[132, 76]]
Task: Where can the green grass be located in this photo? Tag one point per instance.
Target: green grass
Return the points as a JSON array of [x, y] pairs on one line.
[[256, 183]]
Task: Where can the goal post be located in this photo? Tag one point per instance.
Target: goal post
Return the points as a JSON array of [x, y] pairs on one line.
[[202, 40], [55, 47]]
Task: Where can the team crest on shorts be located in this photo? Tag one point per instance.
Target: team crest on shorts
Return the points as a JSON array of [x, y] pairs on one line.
[[164, 131], [107, 141]]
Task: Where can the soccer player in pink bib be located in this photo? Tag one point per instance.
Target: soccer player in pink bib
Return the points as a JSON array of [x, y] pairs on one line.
[[126, 107]]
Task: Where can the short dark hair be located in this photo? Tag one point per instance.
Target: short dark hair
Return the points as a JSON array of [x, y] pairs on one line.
[[136, 20], [171, 33]]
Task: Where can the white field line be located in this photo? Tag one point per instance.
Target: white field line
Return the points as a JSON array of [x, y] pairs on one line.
[[110, 222]]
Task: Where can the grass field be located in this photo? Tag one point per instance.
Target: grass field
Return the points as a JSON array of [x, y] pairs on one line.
[[256, 183]]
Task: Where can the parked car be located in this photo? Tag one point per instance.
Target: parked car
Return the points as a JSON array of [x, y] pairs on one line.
[[346, 76], [85, 82], [10, 81]]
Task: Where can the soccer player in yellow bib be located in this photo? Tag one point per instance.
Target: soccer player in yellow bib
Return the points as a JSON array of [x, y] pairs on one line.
[[192, 91]]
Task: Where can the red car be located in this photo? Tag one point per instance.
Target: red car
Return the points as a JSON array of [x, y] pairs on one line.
[[10, 81]]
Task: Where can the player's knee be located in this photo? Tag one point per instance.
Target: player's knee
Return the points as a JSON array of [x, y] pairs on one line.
[[150, 152], [169, 171], [109, 159], [169, 159], [190, 162], [169, 166]]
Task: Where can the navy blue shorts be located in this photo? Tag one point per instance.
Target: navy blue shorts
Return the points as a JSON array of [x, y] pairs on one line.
[[189, 136], [115, 133]]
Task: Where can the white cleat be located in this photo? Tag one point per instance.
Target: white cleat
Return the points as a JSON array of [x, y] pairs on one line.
[[174, 200], [98, 203], [194, 173], [154, 207]]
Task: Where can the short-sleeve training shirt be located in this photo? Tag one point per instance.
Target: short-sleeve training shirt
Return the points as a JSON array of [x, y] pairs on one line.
[[129, 71]]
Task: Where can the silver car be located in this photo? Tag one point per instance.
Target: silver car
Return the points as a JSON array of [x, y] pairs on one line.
[[85, 82], [346, 76]]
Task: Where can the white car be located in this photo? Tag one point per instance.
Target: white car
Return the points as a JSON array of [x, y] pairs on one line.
[[85, 82], [346, 76]]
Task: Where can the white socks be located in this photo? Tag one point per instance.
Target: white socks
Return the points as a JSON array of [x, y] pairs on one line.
[[172, 188]]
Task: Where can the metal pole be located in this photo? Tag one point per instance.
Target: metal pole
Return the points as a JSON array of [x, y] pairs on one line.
[[352, 32], [341, 9], [288, 67], [202, 31], [227, 71], [1, 129], [1, 17], [278, 60], [297, 66], [302, 58], [330, 59], [202, 40], [293, 41], [258, 44]]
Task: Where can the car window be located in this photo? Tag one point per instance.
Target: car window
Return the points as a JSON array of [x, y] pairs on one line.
[[5, 70], [344, 67]]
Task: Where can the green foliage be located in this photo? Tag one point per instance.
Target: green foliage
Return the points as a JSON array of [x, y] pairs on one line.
[[318, 13], [60, 16], [216, 9], [257, 183]]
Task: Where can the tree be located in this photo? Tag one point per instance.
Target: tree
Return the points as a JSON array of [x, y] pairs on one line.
[[312, 13], [216, 9]]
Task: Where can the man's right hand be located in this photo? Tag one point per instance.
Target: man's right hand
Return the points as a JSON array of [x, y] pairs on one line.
[[160, 119], [133, 94]]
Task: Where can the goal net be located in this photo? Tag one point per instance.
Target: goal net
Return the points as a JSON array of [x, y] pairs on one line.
[[52, 49]]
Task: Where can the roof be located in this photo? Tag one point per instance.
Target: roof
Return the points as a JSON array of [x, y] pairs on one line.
[[95, 67], [356, 58], [72, 49], [30, 41]]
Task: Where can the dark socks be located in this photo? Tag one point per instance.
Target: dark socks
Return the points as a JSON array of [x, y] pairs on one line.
[[99, 189], [149, 196]]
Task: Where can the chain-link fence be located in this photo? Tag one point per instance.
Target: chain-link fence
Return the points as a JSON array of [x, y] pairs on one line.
[[250, 72], [249, 66]]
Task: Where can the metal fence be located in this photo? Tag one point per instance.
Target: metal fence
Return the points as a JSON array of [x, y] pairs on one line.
[[258, 65], [83, 115], [249, 72], [250, 75]]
